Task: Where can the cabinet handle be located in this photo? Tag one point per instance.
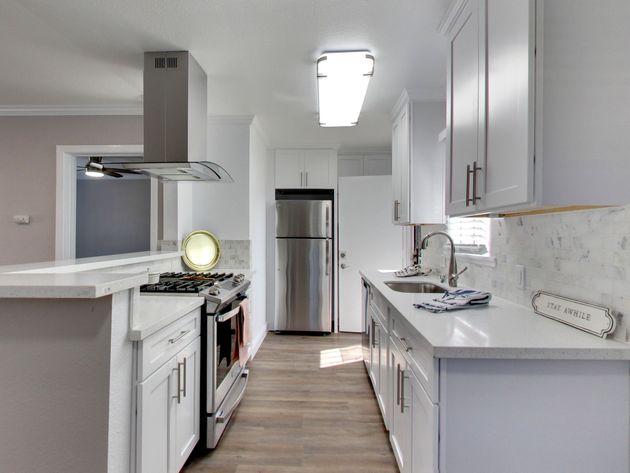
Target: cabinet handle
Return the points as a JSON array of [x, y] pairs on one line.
[[474, 189], [185, 378], [327, 258], [404, 342], [402, 391], [398, 384], [301, 179], [306, 179], [396, 214], [179, 383], [468, 173], [181, 335]]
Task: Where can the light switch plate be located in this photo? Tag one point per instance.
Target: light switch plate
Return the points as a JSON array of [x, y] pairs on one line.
[[22, 219]]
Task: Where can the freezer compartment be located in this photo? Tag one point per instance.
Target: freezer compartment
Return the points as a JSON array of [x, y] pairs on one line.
[[303, 285], [303, 219]]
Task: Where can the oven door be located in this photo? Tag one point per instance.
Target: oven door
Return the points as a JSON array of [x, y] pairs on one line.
[[223, 355]]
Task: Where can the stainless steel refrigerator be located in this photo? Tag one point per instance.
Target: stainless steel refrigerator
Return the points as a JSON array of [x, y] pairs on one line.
[[304, 256]]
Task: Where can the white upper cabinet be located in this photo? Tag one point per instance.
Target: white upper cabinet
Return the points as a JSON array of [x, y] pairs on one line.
[[361, 164], [512, 146], [306, 169], [417, 161]]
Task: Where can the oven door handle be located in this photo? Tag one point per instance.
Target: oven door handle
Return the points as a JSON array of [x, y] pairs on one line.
[[222, 416], [227, 316]]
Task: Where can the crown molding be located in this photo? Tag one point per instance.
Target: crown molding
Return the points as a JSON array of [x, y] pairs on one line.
[[61, 110], [450, 17]]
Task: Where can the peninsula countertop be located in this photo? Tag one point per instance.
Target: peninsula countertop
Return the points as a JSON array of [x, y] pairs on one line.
[[501, 330], [67, 285]]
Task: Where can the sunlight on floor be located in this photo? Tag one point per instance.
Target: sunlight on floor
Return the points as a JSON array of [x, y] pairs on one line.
[[340, 356]]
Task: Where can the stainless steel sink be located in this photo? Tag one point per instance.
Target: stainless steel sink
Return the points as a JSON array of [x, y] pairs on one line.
[[416, 287]]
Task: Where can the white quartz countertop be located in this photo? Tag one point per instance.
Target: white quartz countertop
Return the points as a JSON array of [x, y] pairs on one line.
[[156, 312], [500, 330], [90, 264], [67, 285]]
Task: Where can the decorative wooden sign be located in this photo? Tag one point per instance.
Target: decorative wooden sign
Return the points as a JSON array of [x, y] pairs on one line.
[[581, 315]]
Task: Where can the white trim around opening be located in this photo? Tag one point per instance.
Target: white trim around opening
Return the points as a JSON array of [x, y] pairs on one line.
[[66, 193]]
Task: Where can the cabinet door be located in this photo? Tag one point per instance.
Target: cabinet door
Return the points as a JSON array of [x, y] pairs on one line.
[[400, 164], [400, 419], [424, 424], [186, 406], [465, 88], [289, 169], [317, 168], [509, 161], [350, 165], [377, 165], [155, 396]]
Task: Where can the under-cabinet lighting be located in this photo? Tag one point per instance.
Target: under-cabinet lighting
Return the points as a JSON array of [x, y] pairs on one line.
[[342, 81]]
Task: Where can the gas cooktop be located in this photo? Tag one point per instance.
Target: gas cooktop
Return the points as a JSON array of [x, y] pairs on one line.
[[215, 287]]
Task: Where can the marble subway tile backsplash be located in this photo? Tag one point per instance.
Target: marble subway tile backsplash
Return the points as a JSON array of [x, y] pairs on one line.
[[583, 255], [235, 254]]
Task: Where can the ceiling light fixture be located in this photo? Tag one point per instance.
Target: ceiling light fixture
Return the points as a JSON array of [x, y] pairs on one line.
[[342, 81]]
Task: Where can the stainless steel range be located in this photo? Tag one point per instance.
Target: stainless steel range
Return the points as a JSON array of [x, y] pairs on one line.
[[223, 374]]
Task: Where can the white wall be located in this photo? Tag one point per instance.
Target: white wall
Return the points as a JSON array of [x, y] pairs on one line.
[[223, 208], [259, 163], [28, 174]]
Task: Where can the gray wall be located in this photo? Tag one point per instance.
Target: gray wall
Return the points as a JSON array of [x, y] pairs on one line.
[[27, 174], [113, 216]]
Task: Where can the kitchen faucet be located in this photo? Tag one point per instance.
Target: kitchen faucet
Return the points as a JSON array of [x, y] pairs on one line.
[[453, 275]]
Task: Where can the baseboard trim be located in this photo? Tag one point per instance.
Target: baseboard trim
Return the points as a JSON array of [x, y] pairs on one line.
[[258, 341]]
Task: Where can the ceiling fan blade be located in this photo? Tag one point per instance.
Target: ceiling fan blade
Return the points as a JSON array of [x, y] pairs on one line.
[[124, 171], [111, 173]]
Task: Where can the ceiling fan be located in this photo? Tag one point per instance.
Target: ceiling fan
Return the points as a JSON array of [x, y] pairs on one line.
[[95, 168]]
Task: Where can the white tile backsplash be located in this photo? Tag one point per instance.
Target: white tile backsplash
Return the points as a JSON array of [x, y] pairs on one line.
[[583, 255], [235, 254]]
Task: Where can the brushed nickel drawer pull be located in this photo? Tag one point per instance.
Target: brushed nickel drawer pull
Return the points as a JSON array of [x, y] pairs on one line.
[[181, 335]]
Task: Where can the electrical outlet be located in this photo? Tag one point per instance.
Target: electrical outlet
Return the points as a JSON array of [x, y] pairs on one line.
[[22, 219], [519, 276]]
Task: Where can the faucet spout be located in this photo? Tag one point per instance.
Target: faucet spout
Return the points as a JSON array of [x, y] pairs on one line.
[[453, 275]]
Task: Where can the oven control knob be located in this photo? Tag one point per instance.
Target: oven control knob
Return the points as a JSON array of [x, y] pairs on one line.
[[214, 291], [239, 278]]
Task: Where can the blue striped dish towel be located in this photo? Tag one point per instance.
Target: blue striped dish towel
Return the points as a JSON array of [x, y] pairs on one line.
[[455, 300]]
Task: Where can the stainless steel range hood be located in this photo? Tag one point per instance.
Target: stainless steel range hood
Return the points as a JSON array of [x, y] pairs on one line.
[[175, 111]]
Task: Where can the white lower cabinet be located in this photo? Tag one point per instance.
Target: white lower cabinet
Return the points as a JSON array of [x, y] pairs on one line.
[[167, 405], [378, 361], [468, 415], [413, 419]]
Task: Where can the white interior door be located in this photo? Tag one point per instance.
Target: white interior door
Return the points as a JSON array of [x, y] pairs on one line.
[[367, 240]]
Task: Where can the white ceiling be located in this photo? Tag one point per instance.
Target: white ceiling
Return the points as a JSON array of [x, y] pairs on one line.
[[258, 55]]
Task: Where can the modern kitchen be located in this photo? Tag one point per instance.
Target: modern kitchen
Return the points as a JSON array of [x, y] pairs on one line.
[[317, 236]]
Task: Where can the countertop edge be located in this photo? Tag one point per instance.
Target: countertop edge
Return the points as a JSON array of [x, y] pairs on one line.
[[618, 351], [138, 334]]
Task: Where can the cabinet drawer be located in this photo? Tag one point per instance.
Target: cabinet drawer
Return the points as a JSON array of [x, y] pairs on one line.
[[158, 348], [418, 353], [380, 306]]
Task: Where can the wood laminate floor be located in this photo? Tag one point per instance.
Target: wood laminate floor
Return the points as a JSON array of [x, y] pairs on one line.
[[308, 408]]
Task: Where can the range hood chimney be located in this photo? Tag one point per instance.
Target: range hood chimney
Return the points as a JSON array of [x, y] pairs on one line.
[[175, 115]]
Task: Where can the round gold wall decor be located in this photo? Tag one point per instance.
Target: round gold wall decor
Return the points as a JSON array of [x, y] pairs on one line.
[[201, 250]]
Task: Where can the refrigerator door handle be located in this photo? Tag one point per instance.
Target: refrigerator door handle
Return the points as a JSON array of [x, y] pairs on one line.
[[328, 221], [327, 258]]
